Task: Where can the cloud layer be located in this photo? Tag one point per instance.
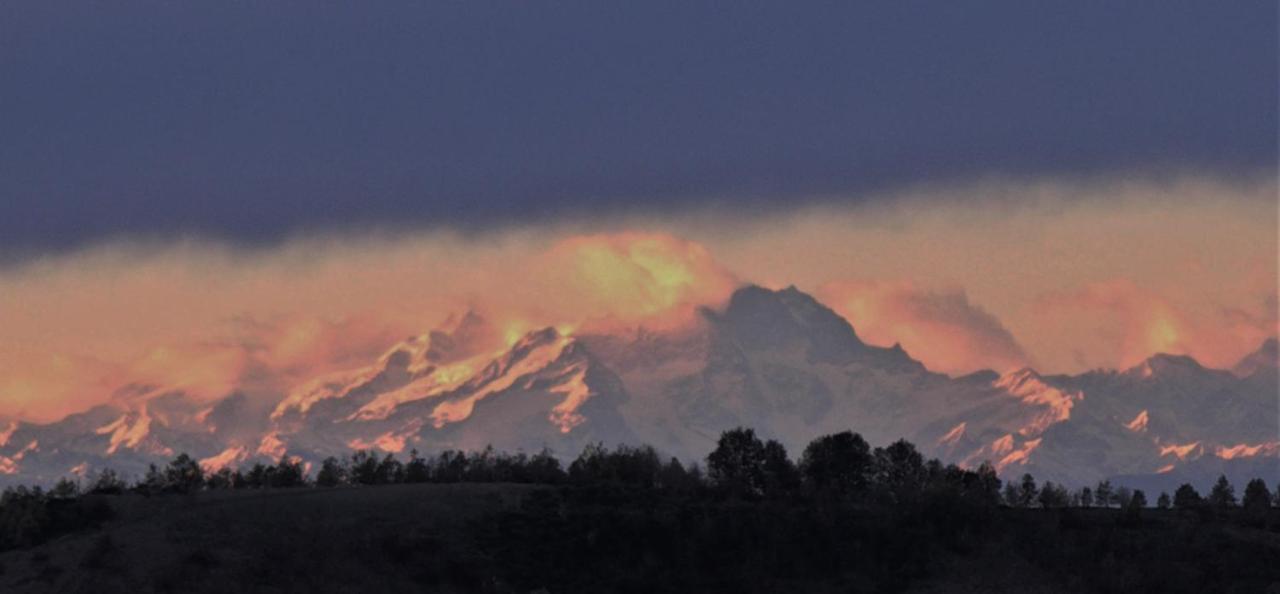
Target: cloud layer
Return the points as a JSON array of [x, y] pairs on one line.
[[141, 117], [942, 328], [1060, 274]]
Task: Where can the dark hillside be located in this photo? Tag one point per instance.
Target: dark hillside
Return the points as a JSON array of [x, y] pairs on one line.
[[845, 518], [521, 538]]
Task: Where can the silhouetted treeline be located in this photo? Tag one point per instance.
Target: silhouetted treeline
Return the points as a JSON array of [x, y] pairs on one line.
[[29, 516], [840, 470]]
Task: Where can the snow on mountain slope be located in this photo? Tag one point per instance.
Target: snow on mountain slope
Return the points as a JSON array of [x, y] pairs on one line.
[[420, 365], [778, 361], [544, 391]]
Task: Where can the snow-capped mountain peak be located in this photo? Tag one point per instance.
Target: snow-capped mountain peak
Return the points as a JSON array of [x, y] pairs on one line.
[[778, 361]]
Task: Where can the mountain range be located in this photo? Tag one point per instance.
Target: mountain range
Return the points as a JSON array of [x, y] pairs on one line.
[[775, 360]]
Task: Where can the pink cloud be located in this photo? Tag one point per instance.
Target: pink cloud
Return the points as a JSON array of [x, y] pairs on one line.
[[941, 328]]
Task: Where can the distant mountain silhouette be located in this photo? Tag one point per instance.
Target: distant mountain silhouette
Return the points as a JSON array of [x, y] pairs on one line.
[[1266, 357]]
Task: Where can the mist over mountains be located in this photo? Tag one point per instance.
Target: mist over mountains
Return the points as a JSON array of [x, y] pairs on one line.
[[778, 361]]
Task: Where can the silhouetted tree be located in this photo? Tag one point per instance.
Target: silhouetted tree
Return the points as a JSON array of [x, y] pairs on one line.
[[674, 477], [153, 481], [257, 477], [1257, 497], [1132, 507], [1052, 496], [450, 466], [1122, 496], [390, 470], [591, 465], [1011, 494], [983, 485], [221, 479], [24, 517], [780, 474], [416, 470], [183, 474], [838, 464], [481, 466], [737, 464], [1086, 497], [899, 471], [978, 488], [508, 468], [286, 473], [1027, 491], [1186, 497], [1102, 494], [696, 475], [544, 468], [634, 466], [331, 473], [1223, 495], [364, 468], [65, 489], [106, 482], [1163, 501]]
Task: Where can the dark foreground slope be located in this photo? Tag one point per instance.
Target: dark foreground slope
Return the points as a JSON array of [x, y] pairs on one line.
[[521, 538]]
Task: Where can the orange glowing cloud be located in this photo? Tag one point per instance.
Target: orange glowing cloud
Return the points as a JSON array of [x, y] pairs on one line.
[[1082, 274], [38, 384], [1208, 248], [242, 355], [1128, 323], [1138, 322], [940, 328], [208, 319], [631, 277]]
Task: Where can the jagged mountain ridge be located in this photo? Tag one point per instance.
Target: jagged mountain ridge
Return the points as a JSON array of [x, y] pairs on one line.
[[778, 361]]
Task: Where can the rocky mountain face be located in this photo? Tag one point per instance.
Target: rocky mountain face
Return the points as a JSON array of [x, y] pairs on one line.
[[778, 361]]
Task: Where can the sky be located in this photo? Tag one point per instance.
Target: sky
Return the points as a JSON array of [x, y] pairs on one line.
[[190, 192]]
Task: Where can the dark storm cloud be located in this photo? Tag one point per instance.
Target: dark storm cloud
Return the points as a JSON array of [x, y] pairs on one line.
[[253, 120]]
